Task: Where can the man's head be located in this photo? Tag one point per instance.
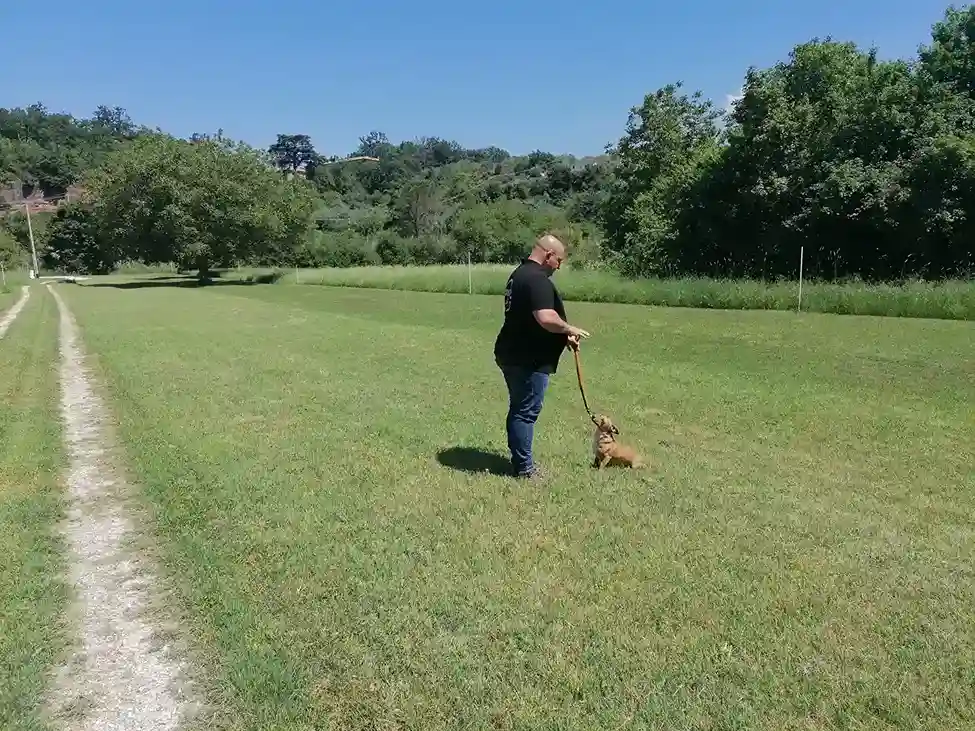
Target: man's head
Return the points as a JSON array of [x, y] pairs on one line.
[[549, 252]]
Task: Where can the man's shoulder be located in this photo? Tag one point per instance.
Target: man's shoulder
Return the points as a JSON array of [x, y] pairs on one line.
[[530, 273], [522, 270]]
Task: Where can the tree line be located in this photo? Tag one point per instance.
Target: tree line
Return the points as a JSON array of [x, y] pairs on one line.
[[868, 165]]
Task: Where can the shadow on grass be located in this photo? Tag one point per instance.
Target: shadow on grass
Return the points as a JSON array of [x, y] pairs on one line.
[[190, 281], [473, 460]]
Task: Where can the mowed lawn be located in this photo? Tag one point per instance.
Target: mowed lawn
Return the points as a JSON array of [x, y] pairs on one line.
[[801, 555], [32, 596]]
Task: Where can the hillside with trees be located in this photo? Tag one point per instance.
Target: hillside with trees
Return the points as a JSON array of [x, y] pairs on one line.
[[868, 164]]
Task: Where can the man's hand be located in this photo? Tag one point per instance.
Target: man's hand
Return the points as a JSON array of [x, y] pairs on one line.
[[550, 320], [575, 336]]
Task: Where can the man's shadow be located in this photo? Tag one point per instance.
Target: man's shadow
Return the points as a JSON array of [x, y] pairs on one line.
[[475, 461]]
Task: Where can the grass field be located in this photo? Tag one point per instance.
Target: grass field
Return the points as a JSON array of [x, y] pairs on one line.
[[319, 467], [32, 598], [953, 300]]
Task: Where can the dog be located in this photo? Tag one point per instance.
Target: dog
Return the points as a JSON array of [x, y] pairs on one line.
[[607, 452]]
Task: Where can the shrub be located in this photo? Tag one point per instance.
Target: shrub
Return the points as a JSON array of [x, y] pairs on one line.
[[332, 249]]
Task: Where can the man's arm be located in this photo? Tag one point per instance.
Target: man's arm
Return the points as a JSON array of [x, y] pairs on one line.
[[550, 320], [542, 297]]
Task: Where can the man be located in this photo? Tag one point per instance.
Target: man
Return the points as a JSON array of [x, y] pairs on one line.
[[530, 343]]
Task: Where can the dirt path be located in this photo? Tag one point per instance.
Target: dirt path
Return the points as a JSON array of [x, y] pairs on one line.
[[12, 313], [123, 675]]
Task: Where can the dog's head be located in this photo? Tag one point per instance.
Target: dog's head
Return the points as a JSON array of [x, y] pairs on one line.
[[604, 424]]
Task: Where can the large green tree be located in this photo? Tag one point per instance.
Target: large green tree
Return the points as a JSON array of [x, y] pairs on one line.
[[202, 205], [671, 140]]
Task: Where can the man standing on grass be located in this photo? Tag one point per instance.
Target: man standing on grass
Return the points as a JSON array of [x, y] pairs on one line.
[[530, 343]]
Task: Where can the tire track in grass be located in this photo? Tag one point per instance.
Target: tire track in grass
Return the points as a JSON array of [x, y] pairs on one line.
[[124, 677], [12, 313]]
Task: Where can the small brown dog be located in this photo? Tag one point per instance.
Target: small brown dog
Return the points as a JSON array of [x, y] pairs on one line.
[[607, 451]]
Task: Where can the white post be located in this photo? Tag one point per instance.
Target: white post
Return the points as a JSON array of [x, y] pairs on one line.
[[297, 278], [470, 279], [3, 275], [30, 233], [799, 304]]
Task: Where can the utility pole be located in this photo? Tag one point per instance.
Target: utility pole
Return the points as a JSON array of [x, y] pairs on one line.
[[30, 233]]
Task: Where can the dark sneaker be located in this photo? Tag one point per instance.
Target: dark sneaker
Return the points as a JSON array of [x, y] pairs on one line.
[[536, 473]]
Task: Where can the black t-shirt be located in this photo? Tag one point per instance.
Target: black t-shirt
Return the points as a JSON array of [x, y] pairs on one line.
[[522, 341]]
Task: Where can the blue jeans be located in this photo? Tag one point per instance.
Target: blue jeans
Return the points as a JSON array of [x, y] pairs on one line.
[[526, 391]]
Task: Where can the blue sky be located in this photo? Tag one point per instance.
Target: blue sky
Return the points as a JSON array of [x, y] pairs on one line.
[[537, 74]]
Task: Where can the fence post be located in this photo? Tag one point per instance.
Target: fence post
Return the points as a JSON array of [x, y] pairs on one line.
[[799, 303]]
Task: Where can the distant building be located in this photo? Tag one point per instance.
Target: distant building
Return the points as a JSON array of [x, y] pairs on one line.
[[15, 194]]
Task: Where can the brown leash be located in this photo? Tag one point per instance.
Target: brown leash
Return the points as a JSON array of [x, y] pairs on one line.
[[575, 353]]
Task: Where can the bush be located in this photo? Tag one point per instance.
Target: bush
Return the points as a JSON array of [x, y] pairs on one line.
[[433, 249], [393, 249], [584, 246], [503, 232], [332, 249]]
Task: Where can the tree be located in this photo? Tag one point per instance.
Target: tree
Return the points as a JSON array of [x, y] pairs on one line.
[[73, 244], [374, 144], [292, 152], [670, 140], [205, 204], [939, 211], [12, 254], [420, 209], [112, 122], [818, 153], [949, 58]]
